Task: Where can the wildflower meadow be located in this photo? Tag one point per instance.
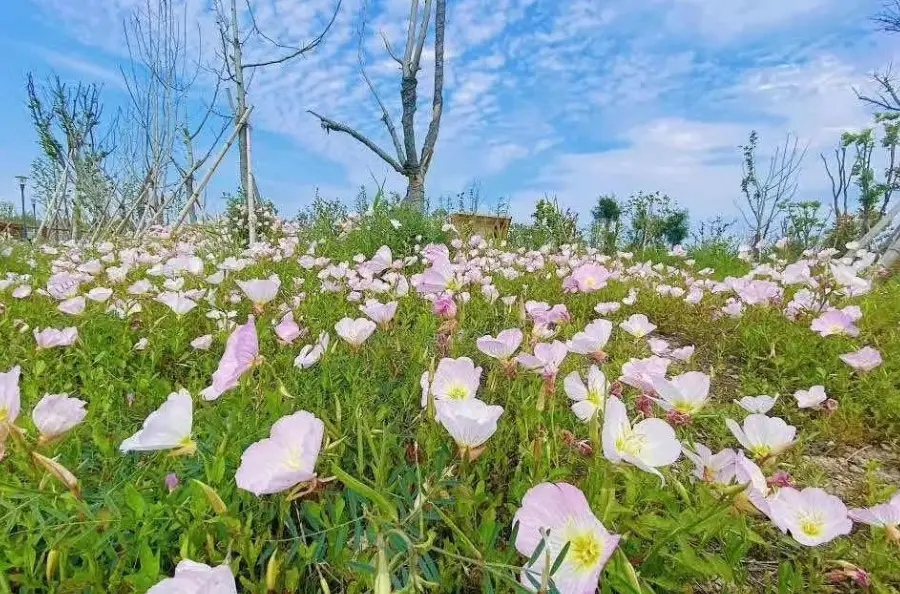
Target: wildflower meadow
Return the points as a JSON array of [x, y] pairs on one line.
[[395, 405]]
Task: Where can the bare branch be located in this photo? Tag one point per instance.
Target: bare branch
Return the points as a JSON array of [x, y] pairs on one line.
[[297, 51], [330, 125], [437, 104], [389, 49]]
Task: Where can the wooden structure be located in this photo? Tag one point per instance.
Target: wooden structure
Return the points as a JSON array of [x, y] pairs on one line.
[[13, 230], [487, 226]]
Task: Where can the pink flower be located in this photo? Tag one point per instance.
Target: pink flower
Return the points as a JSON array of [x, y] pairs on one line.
[[685, 394], [639, 373], [607, 307], [638, 325], [62, 285], [503, 347], [811, 398], [73, 306], [261, 291], [683, 354], [883, 515], [438, 277], [202, 343], [240, 354], [865, 359], [380, 313], [10, 403], [558, 514], [57, 413], [658, 346], [834, 321], [590, 277], [469, 422], [592, 340], [171, 481], [287, 329], [176, 301], [355, 332], [197, 578], [811, 516], [445, 307], [455, 379], [712, 468], [284, 459], [50, 337], [547, 358]]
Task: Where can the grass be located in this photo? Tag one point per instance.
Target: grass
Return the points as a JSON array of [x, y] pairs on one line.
[[444, 525]]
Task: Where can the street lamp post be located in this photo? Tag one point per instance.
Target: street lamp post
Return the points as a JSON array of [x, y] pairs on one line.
[[22, 179]]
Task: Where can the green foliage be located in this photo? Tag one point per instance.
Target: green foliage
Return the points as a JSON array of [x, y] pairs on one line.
[[655, 221], [803, 225], [551, 226], [393, 494], [607, 215], [237, 221]]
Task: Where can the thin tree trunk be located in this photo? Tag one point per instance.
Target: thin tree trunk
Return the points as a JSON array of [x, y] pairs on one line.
[[415, 191]]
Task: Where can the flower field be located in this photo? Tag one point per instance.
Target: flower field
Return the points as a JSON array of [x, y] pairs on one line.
[[395, 407]]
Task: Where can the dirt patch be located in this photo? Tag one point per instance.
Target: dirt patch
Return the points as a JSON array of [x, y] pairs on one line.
[[844, 468]]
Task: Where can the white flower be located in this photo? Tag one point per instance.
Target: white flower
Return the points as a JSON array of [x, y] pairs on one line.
[[592, 340], [686, 393], [650, 444], [638, 325], [763, 436], [470, 422], [99, 294], [197, 578], [73, 307], [202, 343], [712, 468], [811, 398], [57, 413], [166, 428], [757, 404], [176, 301], [261, 291], [355, 332], [812, 516], [588, 399]]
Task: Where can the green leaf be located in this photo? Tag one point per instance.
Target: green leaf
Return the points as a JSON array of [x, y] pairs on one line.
[[368, 492], [135, 501]]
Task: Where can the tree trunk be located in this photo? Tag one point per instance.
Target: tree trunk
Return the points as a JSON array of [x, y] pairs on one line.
[[415, 191]]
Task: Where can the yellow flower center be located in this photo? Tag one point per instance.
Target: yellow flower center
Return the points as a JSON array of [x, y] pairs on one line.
[[295, 460], [590, 282], [629, 442], [685, 407], [585, 550], [458, 392], [812, 526], [761, 451]]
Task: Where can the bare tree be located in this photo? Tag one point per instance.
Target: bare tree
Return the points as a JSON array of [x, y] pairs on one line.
[[840, 180], [408, 162], [239, 73], [889, 17], [767, 195], [159, 78]]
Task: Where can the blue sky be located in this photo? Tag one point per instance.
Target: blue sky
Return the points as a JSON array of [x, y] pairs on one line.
[[567, 97]]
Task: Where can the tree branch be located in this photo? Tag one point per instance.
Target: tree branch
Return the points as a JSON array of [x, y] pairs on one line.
[[297, 51], [330, 125], [437, 105]]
